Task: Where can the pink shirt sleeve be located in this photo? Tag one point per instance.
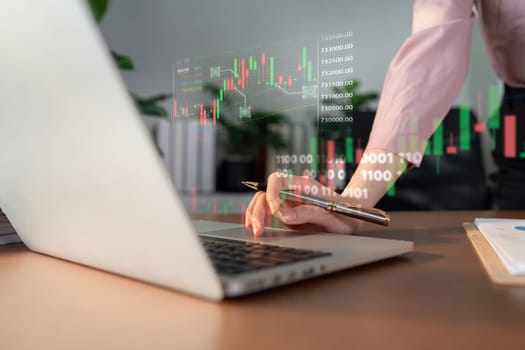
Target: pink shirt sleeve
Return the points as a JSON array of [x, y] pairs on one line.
[[426, 75], [503, 25], [424, 78]]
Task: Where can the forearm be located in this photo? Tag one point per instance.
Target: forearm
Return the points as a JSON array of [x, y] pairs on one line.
[[424, 78], [377, 171]]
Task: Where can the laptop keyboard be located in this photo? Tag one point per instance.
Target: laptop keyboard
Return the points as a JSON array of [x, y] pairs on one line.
[[232, 257]]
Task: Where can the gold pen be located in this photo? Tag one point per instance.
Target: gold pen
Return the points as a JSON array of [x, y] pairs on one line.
[[373, 215]]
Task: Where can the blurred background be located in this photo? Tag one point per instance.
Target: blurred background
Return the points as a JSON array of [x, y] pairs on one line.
[[234, 90]]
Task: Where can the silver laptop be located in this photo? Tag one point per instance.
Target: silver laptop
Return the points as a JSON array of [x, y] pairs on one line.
[[81, 180]]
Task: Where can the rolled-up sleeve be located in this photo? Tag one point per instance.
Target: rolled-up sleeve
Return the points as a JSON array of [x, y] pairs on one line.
[[424, 78]]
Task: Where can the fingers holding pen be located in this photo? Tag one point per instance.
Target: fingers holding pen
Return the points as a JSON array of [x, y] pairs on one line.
[[277, 182], [264, 203], [269, 202]]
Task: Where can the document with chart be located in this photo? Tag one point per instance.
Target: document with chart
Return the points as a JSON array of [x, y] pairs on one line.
[[507, 238]]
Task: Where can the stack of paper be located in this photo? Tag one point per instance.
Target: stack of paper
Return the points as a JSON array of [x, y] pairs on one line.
[[507, 238], [7, 232]]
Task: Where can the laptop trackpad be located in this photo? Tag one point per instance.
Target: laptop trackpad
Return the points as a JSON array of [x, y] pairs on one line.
[[269, 234]]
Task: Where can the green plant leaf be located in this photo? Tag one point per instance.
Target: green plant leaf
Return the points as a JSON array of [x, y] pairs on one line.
[[123, 62], [98, 8], [150, 106], [153, 110], [156, 98]]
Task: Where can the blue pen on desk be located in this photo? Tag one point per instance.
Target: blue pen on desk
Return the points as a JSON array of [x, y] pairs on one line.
[[373, 215]]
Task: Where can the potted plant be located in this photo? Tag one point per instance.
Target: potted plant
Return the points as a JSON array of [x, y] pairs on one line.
[[244, 141]]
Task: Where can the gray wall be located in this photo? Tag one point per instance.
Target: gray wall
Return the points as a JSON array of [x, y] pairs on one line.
[[156, 33]]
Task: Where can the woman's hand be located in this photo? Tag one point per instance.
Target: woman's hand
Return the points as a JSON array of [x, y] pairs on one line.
[[266, 203], [363, 189]]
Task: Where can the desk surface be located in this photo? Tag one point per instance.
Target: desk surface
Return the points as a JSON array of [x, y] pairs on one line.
[[439, 296]]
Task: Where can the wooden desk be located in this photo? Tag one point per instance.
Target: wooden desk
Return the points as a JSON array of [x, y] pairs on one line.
[[437, 297]]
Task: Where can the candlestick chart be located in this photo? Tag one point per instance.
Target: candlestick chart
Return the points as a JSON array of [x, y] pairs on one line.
[[285, 76]]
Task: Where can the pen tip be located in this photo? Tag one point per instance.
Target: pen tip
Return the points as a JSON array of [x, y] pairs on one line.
[[250, 184]]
